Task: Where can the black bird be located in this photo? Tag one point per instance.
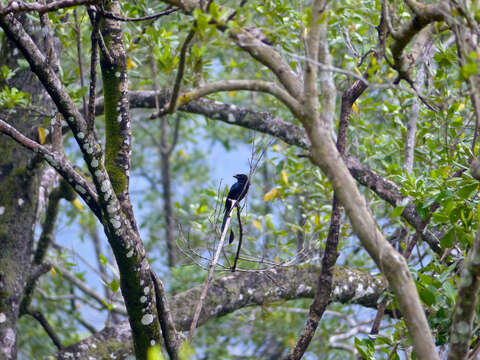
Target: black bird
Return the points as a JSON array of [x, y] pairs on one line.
[[237, 192]]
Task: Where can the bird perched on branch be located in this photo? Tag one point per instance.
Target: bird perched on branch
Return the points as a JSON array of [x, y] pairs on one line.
[[237, 192]]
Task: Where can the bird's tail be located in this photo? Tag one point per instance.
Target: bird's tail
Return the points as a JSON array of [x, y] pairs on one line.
[[232, 236], [224, 221], [228, 206]]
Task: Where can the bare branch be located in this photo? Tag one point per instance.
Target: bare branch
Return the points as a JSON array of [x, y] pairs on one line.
[[209, 278], [233, 85], [170, 335], [172, 106], [93, 72], [17, 6], [269, 57], [242, 289], [80, 61], [167, 11], [37, 315], [423, 15]]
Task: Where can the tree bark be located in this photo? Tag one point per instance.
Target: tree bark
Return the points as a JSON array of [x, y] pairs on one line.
[[19, 190]]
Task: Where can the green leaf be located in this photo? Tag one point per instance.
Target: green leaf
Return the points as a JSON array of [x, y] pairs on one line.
[[449, 292], [214, 10], [366, 348], [397, 211], [103, 259], [186, 351], [114, 285], [448, 239], [465, 191], [427, 296], [469, 69]]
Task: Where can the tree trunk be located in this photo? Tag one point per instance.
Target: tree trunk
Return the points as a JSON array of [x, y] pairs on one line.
[[19, 184]]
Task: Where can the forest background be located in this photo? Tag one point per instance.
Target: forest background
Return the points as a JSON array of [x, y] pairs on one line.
[[121, 125]]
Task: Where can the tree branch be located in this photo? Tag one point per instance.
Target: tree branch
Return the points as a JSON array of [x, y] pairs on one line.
[[461, 328], [255, 288], [234, 85], [170, 336], [172, 106], [58, 161], [422, 16], [20, 6], [37, 315], [211, 268], [87, 290], [110, 15]]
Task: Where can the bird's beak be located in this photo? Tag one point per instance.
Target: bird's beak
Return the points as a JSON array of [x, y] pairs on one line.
[[236, 176]]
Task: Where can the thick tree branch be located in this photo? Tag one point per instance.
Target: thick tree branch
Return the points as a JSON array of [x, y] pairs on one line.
[[310, 89], [239, 290], [316, 41], [235, 85], [20, 6], [169, 332], [422, 16]]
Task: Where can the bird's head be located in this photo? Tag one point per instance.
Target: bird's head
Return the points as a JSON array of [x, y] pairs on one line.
[[241, 178]]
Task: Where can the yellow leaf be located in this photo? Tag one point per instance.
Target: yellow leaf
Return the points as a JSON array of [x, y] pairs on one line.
[[271, 194], [131, 64], [284, 177], [317, 219], [277, 259], [42, 135], [257, 225], [231, 93], [276, 147], [52, 271], [357, 71], [461, 107], [390, 75], [155, 353], [355, 108], [78, 205], [182, 153], [292, 341]]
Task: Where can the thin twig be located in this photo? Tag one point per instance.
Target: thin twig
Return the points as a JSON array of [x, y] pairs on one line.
[[181, 70], [80, 63], [37, 315], [167, 11], [103, 46], [211, 269], [93, 71]]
